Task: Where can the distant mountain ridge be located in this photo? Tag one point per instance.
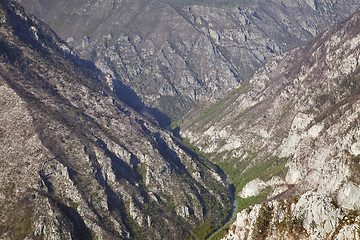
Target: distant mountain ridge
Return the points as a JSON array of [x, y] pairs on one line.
[[173, 54], [78, 163]]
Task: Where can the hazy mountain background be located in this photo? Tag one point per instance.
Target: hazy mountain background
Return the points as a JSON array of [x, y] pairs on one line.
[[174, 54]]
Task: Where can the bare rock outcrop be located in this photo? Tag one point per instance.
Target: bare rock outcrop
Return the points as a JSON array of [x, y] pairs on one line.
[[78, 163], [174, 54], [297, 118], [313, 216]]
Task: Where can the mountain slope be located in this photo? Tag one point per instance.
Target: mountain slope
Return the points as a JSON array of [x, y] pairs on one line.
[[175, 54], [76, 162], [292, 128]]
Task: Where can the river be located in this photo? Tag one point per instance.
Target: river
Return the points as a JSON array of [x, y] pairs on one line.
[[234, 203]]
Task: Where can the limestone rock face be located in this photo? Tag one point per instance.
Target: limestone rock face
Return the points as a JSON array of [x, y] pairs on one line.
[[174, 54], [78, 163], [302, 106], [297, 118], [254, 187], [313, 216]]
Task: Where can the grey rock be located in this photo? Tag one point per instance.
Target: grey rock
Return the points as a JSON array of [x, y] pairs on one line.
[[173, 54], [312, 217], [78, 163], [296, 118]]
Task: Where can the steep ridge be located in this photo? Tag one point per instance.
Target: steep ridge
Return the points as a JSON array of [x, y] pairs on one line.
[[78, 163], [292, 128], [313, 216], [175, 54]]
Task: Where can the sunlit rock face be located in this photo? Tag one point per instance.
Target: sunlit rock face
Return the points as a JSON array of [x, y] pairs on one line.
[[313, 216], [299, 112]]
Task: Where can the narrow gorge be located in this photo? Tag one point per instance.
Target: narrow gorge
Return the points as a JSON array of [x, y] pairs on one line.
[[177, 119]]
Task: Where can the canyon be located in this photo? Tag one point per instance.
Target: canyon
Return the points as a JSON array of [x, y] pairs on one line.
[[262, 97]]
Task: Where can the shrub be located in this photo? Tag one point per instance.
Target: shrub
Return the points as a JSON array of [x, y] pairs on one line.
[[262, 223]]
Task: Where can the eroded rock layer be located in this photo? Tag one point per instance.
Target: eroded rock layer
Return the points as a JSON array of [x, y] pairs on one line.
[[175, 54], [78, 163], [293, 127]]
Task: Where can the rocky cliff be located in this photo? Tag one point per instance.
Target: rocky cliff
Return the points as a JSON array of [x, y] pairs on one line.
[[175, 54], [313, 216], [78, 163], [292, 128]]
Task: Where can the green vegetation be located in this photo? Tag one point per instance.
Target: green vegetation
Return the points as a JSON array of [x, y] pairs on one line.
[[210, 204], [25, 225], [73, 204], [93, 235], [215, 112], [262, 222], [290, 223], [348, 219], [136, 231], [65, 128], [347, 92], [243, 172], [203, 156], [175, 106], [204, 230], [285, 110], [244, 203], [221, 232], [233, 121], [321, 99], [351, 83], [141, 169]]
